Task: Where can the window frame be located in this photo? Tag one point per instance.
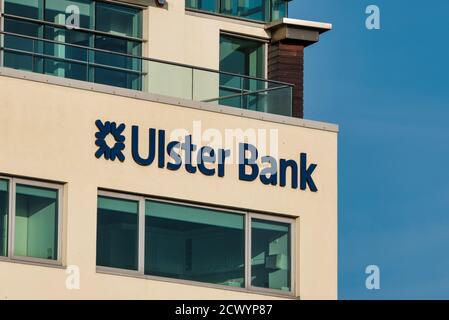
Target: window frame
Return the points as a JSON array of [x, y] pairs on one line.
[[262, 41], [93, 31], [218, 12], [59, 188], [247, 215], [122, 196], [90, 62], [270, 218]]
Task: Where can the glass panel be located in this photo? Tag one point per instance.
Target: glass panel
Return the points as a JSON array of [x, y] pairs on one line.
[[71, 70], [278, 10], [117, 78], [22, 28], [4, 208], [270, 254], [36, 222], [76, 61], [117, 233], [231, 89], [248, 9], [24, 8], [21, 60], [56, 11], [18, 61], [240, 56], [119, 46], [119, 20], [59, 66], [198, 244], [205, 5], [170, 80], [258, 10], [205, 85], [278, 101], [74, 37]]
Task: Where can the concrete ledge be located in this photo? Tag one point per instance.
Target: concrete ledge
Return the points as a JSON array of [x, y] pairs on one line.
[[82, 85], [305, 31], [320, 26]]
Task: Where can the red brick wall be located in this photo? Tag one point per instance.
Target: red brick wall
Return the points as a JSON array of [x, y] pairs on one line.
[[286, 64]]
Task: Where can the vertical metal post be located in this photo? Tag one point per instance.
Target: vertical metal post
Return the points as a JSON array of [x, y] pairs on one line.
[[12, 213], [33, 47], [141, 237], [248, 250], [241, 93], [192, 82], [291, 100], [87, 65]]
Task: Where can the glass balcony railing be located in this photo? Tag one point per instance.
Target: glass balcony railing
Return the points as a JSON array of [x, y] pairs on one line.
[[258, 10], [35, 54]]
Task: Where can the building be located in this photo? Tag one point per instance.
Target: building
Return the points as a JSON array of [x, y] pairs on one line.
[[111, 183]]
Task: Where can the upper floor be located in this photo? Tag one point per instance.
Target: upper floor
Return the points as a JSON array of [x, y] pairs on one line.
[[238, 53], [257, 10]]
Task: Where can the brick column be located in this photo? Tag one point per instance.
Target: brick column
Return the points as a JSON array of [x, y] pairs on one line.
[[289, 37], [286, 64]]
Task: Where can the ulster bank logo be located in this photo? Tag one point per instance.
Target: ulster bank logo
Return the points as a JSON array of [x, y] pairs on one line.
[[110, 152], [186, 154]]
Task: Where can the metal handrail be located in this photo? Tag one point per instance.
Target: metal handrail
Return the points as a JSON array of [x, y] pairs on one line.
[[242, 92], [149, 59], [62, 26], [87, 63], [69, 44], [220, 13], [246, 93]]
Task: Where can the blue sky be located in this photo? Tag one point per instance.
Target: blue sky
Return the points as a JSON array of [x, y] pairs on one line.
[[388, 90]]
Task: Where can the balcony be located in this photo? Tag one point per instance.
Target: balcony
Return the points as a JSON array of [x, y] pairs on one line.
[[35, 54], [257, 10]]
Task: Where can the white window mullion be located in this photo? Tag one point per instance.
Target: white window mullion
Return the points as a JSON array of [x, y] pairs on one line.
[[248, 251], [12, 214], [141, 235]]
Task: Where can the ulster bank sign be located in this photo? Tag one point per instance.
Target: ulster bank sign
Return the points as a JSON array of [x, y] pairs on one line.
[[185, 155]]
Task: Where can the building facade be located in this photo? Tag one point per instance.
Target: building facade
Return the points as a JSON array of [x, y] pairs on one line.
[[157, 150]]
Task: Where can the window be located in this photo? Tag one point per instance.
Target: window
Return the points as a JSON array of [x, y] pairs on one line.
[[258, 10], [119, 20], [245, 57], [117, 233], [278, 9], [34, 222], [21, 48], [55, 11], [4, 208], [270, 254], [174, 240], [24, 8], [192, 243], [106, 48], [242, 56]]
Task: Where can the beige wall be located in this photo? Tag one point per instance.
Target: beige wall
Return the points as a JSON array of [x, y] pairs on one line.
[[176, 36], [47, 132]]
